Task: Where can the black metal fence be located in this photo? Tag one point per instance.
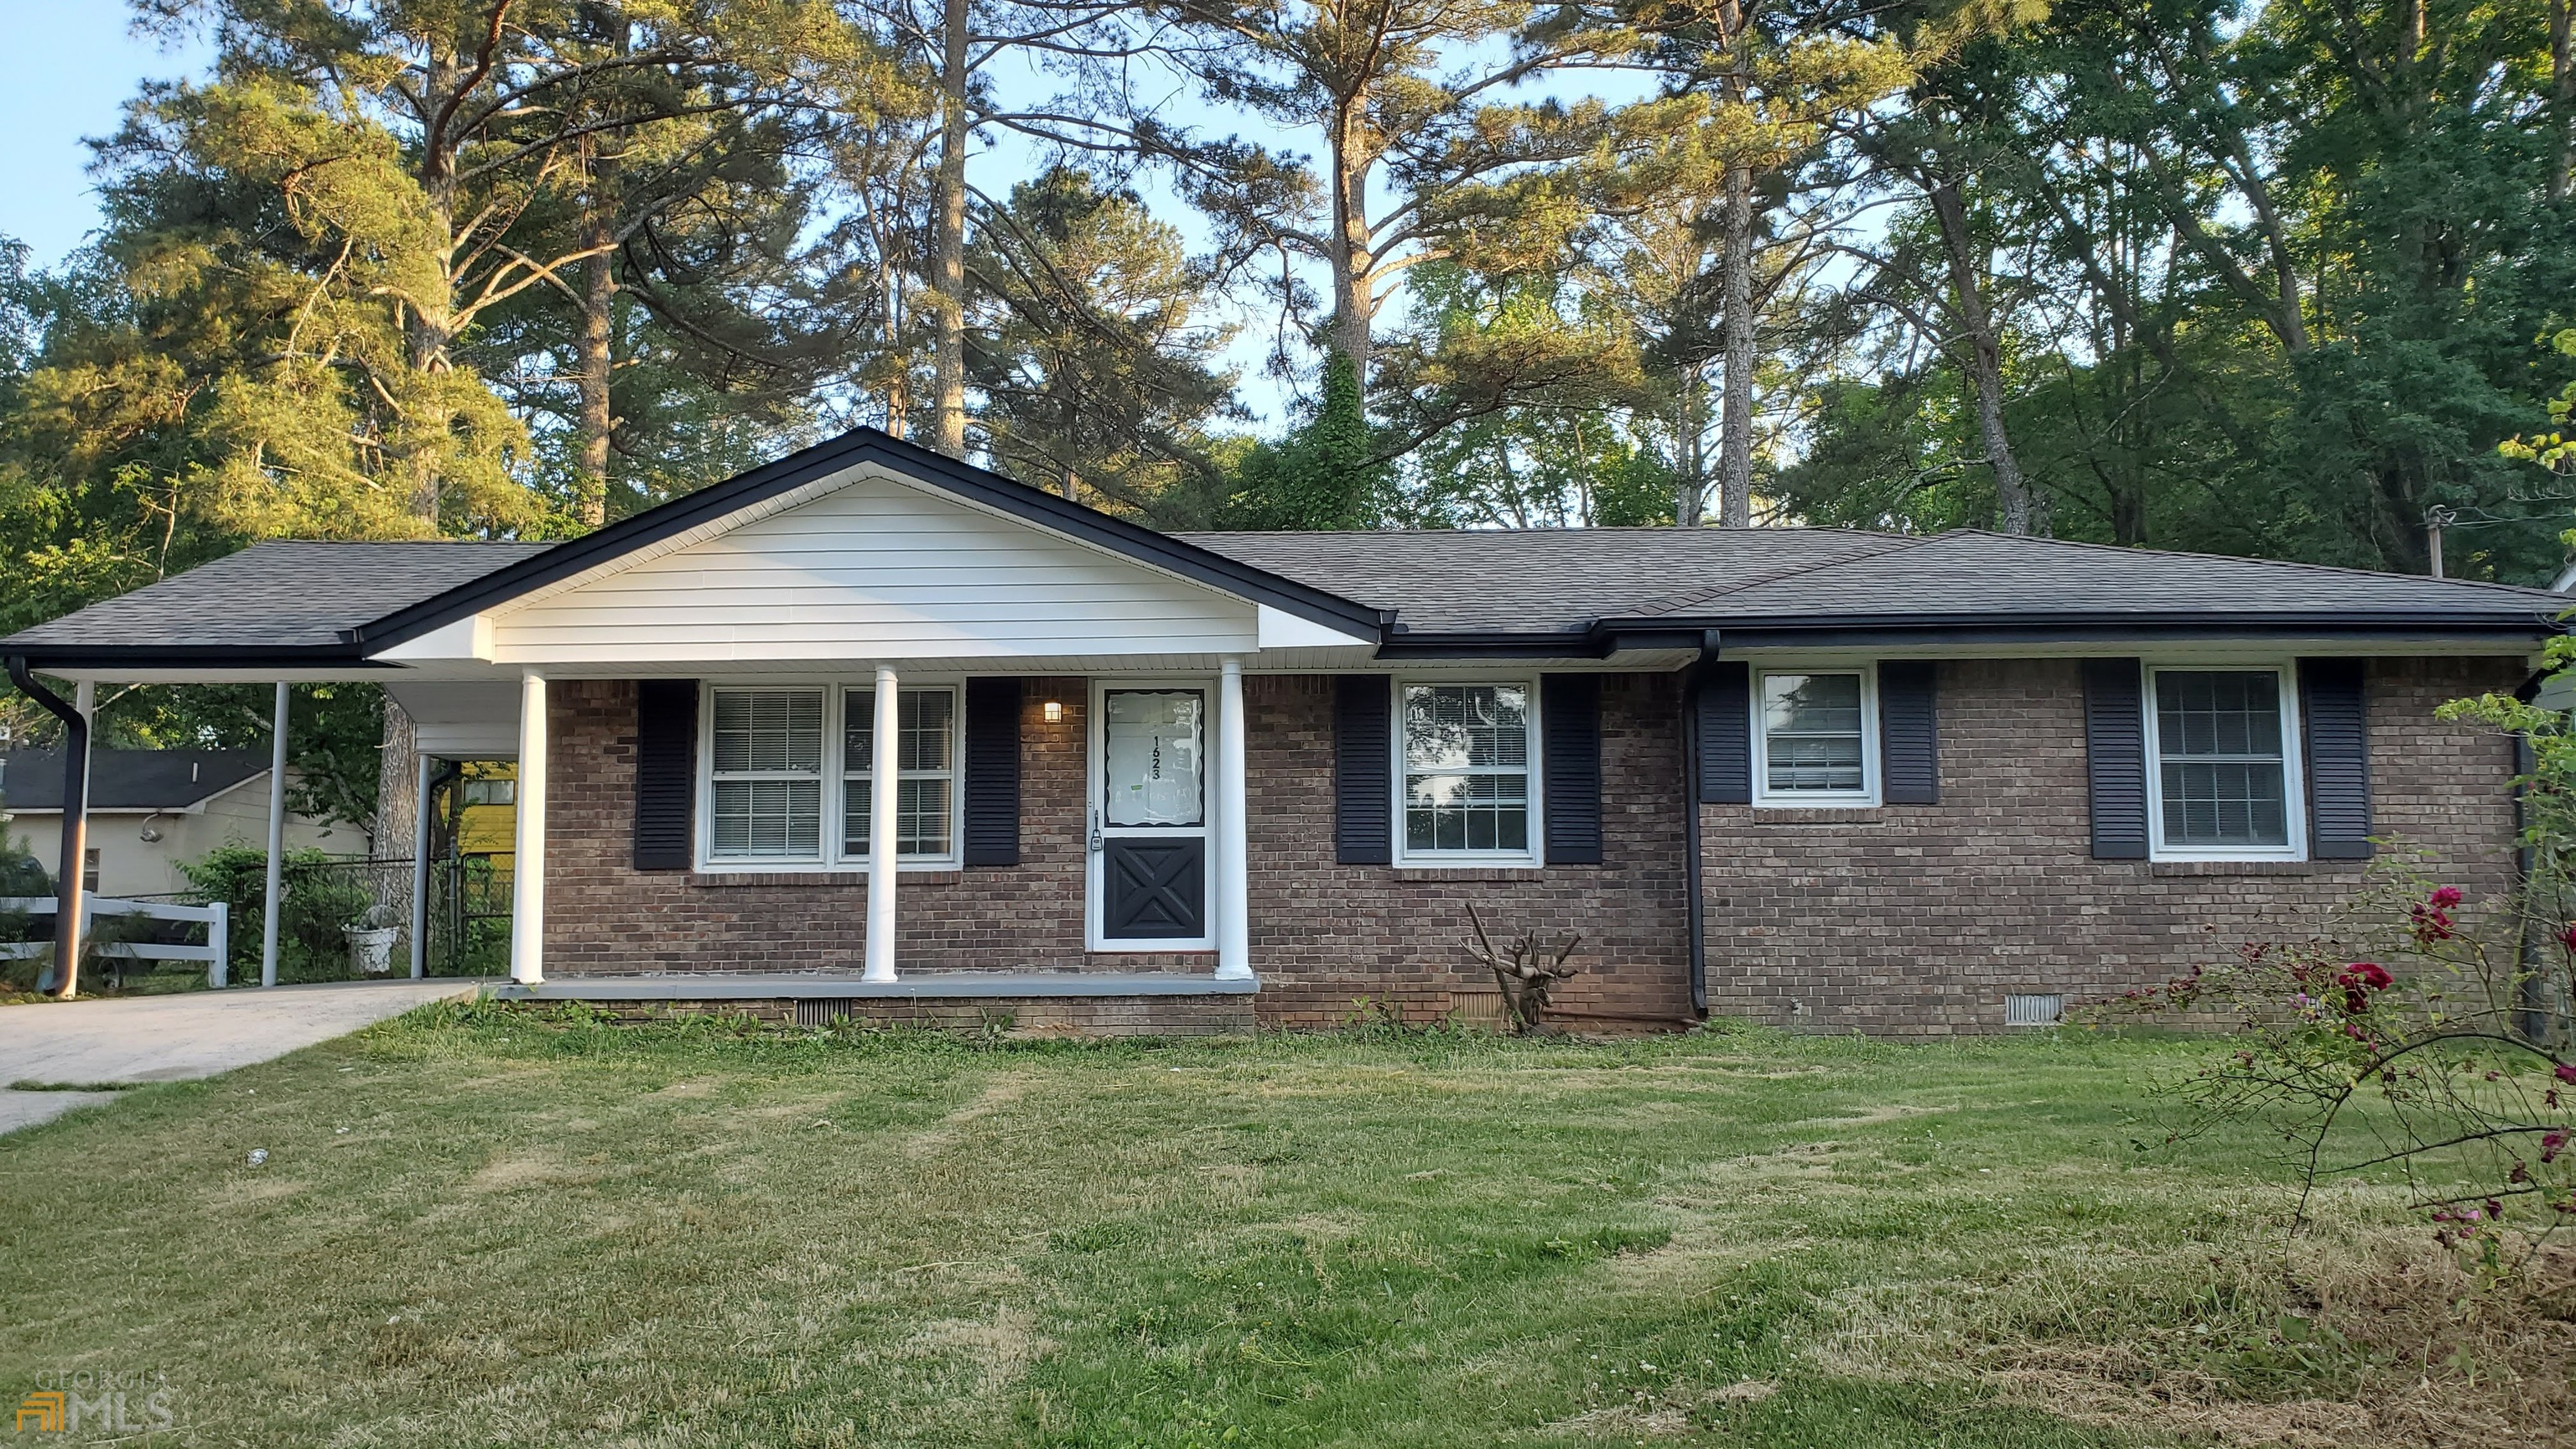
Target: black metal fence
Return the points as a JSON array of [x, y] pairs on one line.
[[325, 902]]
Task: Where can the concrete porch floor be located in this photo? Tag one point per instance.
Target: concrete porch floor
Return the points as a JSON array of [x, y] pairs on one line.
[[816, 985]]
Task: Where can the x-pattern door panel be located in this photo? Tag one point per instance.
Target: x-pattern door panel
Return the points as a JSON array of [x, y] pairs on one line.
[[1157, 890]]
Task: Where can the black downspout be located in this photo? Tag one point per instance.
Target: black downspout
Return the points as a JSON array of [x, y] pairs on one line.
[[2535, 995], [1694, 886], [62, 978]]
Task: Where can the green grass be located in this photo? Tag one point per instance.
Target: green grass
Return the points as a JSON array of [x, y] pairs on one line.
[[478, 1227]]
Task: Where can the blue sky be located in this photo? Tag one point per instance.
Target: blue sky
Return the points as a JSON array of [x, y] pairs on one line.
[[67, 67]]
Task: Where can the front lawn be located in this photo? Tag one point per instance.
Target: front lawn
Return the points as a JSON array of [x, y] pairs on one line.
[[483, 1227]]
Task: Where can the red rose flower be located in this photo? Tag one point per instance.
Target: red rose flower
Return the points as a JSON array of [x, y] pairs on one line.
[[2445, 898]]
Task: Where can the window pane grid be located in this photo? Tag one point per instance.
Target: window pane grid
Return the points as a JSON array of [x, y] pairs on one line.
[[925, 749], [1812, 734], [766, 798], [1466, 775], [2222, 770]]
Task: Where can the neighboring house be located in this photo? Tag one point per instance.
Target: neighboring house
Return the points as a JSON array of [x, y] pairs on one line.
[[871, 726], [150, 811]]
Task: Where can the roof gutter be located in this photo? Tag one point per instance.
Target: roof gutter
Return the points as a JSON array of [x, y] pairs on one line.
[[2091, 627]]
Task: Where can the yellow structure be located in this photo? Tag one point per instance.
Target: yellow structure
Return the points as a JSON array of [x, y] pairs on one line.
[[487, 810]]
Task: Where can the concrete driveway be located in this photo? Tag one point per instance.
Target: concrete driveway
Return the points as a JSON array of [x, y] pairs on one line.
[[189, 1034]]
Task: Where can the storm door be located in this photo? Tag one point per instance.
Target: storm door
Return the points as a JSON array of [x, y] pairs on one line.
[[1149, 819]]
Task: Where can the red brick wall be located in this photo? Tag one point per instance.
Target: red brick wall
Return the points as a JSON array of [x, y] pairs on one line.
[[1919, 919], [1325, 935], [603, 916], [1903, 920]]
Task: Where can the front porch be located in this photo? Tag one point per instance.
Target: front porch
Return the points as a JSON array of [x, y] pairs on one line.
[[1066, 1003]]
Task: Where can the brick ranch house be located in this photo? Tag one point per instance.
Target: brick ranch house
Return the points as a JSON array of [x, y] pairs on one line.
[[1823, 778]]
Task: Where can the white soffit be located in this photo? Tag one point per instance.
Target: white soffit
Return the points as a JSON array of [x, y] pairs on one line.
[[1280, 629]]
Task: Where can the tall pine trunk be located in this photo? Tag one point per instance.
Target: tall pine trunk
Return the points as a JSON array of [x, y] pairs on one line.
[[1351, 257], [598, 362], [948, 284], [1735, 435], [2021, 514], [1690, 492]]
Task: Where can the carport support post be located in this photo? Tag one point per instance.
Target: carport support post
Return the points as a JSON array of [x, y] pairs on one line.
[[276, 842], [63, 977], [528, 851], [419, 866], [1233, 892], [884, 777]]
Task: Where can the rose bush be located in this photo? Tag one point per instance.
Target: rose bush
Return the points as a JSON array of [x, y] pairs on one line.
[[2420, 1033]]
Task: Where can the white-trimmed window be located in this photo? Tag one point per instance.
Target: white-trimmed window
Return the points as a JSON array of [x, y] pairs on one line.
[[772, 793], [1815, 737], [1463, 757], [925, 763], [2223, 764], [765, 781]]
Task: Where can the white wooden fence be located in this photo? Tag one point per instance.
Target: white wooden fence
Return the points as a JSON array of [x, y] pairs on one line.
[[216, 918]]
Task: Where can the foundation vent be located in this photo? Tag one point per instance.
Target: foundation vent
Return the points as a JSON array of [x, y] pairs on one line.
[[2023, 1009], [822, 1011]]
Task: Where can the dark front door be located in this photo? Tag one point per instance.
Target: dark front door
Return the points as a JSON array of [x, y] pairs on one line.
[[1149, 828]]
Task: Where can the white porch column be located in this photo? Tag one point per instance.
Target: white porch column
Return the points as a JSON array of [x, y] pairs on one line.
[[883, 775], [276, 842], [528, 851], [1233, 831], [420, 766]]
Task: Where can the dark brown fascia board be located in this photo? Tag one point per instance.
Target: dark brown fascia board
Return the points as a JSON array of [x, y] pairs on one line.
[[865, 445]]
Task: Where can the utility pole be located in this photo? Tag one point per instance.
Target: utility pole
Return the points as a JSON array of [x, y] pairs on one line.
[[2437, 518]]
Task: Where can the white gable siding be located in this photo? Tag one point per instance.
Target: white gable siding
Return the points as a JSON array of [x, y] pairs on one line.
[[875, 570]]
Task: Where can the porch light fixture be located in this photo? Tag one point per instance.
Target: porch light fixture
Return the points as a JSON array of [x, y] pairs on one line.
[[1055, 711]]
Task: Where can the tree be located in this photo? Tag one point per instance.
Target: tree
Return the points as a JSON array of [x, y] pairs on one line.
[[1468, 167], [1091, 350]]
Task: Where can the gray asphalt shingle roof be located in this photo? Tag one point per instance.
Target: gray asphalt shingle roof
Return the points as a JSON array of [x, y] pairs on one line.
[[1471, 581], [1538, 580], [292, 595], [1973, 572], [280, 594], [127, 779]]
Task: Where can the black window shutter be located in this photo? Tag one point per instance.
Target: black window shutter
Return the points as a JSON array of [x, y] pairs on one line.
[[666, 773], [1909, 733], [992, 772], [1569, 719], [1363, 790], [2115, 750], [1726, 733], [2330, 699]]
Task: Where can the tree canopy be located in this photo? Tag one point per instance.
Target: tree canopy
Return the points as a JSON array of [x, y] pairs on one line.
[[2247, 276]]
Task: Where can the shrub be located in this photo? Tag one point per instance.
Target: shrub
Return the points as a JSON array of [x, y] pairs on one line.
[[2422, 1034], [320, 895]]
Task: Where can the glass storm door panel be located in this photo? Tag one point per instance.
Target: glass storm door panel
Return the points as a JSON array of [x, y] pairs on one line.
[[1149, 836], [1153, 753]]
